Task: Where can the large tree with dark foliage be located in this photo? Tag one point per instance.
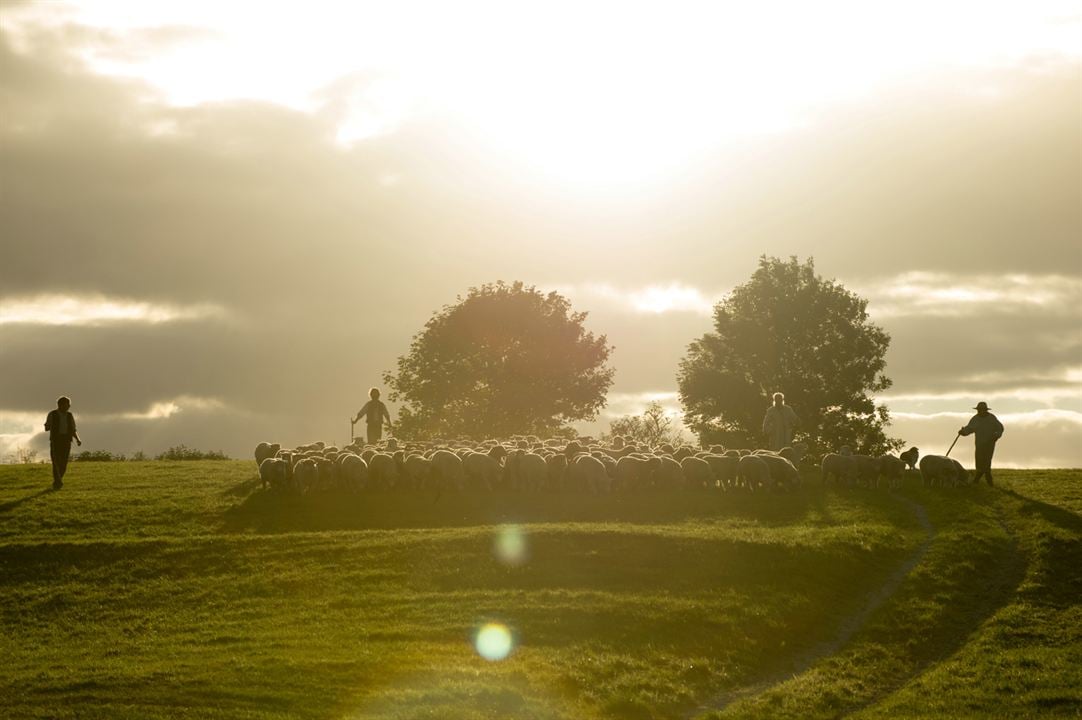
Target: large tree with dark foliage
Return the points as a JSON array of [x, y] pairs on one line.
[[503, 360], [789, 330]]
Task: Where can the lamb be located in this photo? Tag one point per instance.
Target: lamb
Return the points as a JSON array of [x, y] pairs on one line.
[[697, 473], [782, 472], [265, 450], [754, 472], [909, 457], [274, 472], [891, 468]]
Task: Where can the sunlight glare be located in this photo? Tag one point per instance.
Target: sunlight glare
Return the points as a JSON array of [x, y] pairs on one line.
[[493, 642]]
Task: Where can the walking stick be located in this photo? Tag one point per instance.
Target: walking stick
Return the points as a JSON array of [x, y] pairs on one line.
[[952, 444], [352, 422]]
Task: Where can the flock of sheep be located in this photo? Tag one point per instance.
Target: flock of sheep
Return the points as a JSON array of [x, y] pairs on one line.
[[529, 464]]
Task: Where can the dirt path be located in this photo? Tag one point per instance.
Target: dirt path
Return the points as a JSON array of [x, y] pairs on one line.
[[849, 626]]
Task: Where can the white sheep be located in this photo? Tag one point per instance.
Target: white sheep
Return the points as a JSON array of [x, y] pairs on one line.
[[697, 473], [754, 472], [265, 450], [892, 469], [782, 472], [274, 472]]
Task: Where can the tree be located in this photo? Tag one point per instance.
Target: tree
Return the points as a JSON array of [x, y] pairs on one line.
[[789, 330], [504, 360], [652, 428]]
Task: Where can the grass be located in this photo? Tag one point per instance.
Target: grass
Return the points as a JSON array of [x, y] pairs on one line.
[[173, 589]]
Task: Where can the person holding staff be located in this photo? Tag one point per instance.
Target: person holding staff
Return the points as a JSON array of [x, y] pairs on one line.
[[61, 426], [374, 412], [986, 429]]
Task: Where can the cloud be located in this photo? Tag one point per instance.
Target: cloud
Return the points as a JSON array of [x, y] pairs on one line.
[[96, 310], [924, 293], [1037, 438], [326, 259], [656, 299]]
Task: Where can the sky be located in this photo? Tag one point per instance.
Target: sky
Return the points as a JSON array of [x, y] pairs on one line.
[[220, 227]]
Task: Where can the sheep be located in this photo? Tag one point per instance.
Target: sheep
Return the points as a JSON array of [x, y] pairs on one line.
[[782, 472], [840, 466], [891, 468], [909, 457], [274, 472], [724, 468], [697, 473], [586, 472], [961, 476], [668, 475], [415, 471], [794, 454], [634, 472], [532, 472], [446, 470], [754, 472], [327, 473], [482, 472], [557, 469], [352, 472], [940, 470], [382, 472], [305, 475], [265, 450], [866, 469]]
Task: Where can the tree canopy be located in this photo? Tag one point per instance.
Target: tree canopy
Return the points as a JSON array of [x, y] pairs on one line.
[[653, 427], [505, 359], [788, 330]]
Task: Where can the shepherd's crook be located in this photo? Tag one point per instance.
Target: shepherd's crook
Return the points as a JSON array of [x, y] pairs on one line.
[[952, 444]]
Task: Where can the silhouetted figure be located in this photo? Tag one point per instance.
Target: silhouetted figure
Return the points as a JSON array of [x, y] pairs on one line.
[[779, 423], [61, 426], [374, 412], [986, 429]]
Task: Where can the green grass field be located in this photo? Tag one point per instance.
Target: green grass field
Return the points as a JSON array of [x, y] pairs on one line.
[[173, 590]]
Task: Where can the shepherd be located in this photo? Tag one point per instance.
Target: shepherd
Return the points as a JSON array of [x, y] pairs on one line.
[[779, 423], [374, 412], [61, 426], [987, 429]]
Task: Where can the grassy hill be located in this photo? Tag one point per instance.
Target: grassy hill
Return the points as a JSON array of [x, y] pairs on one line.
[[172, 589]]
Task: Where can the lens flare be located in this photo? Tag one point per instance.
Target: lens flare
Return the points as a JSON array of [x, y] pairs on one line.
[[510, 545], [493, 642]]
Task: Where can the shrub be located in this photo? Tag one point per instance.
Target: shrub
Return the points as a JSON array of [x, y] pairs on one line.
[[183, 452]]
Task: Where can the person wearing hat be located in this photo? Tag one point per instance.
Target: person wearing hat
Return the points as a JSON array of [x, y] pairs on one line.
[[986, 428]]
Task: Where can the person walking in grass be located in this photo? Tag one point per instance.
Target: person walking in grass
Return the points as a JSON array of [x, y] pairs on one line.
[[60, 424], [779, 423], [374, 412], [986, 429]]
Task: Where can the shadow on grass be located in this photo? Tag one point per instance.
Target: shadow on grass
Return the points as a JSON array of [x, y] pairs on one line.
[[12, 504], [274, 512]]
